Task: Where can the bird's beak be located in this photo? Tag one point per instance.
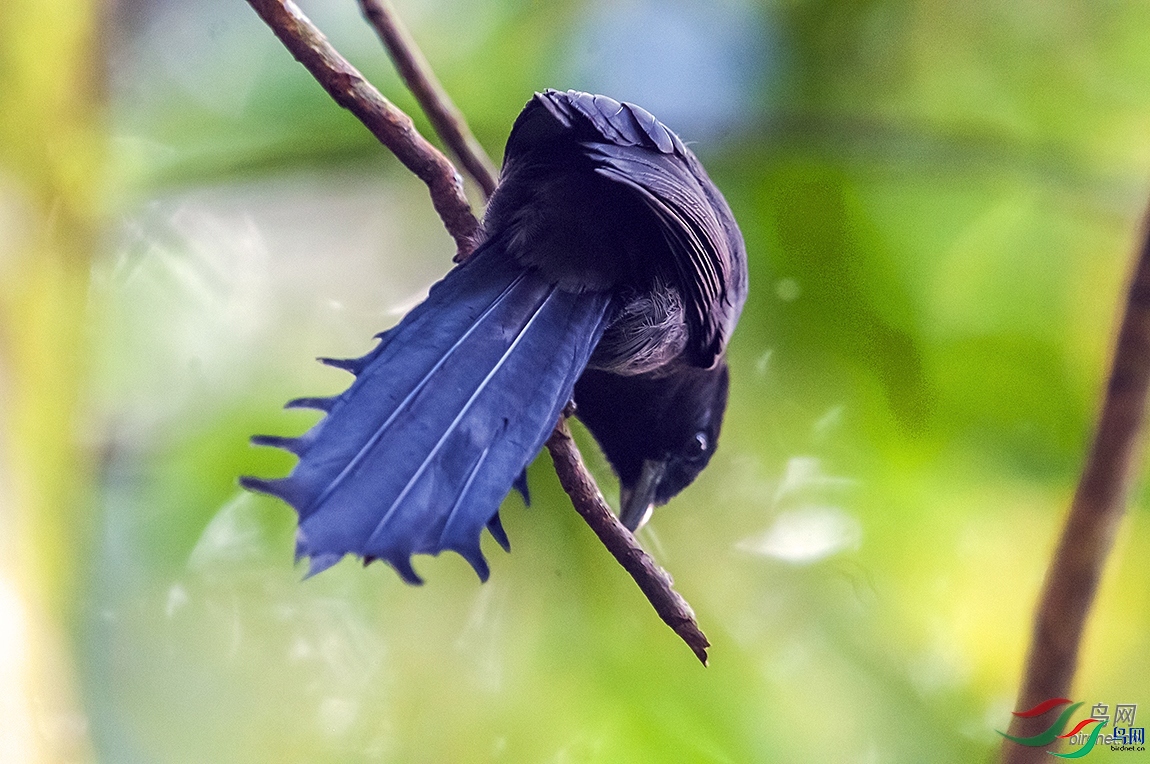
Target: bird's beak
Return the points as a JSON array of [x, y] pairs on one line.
[[639, 501]]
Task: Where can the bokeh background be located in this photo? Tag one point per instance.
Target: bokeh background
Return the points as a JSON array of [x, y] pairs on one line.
[[940, 202]]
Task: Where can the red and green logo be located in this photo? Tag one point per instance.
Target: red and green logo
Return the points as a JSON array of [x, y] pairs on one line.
[[1125, 738]]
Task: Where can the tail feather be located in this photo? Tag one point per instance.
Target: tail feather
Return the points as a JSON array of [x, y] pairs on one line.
[[319, 404], [296, 446], [442, 419], [354, 365]]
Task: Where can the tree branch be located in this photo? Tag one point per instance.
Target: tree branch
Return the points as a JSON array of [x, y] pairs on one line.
[[389, 124], [451, 126], [655, 582], [1098, 506], [416, 72], [395, 130]]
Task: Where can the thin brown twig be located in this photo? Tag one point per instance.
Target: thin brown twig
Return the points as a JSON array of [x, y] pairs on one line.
[[655, 582], [389, 124], [1098, 506], [448, 121], [395, 130]]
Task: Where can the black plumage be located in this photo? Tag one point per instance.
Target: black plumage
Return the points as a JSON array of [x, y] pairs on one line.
[[611, 271]]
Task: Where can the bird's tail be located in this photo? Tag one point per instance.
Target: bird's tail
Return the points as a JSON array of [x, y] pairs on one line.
[[442, 419]]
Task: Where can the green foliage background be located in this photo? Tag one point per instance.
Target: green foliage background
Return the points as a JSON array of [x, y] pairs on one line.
[[940, 202]]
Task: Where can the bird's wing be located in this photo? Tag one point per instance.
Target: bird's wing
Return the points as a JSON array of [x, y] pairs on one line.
[[627, 145]]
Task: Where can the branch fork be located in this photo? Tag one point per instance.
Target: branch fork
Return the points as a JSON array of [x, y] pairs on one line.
[[396, 131]]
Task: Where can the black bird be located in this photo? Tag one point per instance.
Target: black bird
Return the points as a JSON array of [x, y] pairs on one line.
[[611, 272]]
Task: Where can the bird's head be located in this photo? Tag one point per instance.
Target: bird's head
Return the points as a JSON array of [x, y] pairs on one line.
[[658, 432]]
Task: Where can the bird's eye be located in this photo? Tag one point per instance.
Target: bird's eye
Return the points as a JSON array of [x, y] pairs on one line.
[[700, 442]]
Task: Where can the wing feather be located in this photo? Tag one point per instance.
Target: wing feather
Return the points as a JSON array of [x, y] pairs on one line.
[[628, 145]]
